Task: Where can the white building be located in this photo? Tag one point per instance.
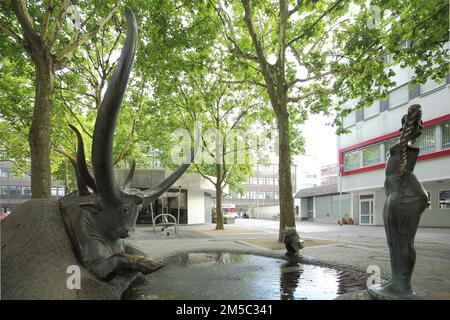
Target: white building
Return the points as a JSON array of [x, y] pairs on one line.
[[195, 194], [308, 172], [362, 153]]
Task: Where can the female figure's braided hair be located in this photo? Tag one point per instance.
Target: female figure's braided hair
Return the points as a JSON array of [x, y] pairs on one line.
[[410, 121]]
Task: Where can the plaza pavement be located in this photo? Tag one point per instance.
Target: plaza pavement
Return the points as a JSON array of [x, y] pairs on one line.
[[348, 246]]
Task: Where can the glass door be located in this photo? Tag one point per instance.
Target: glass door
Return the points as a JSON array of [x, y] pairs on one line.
[[366, 209], [310, 207]]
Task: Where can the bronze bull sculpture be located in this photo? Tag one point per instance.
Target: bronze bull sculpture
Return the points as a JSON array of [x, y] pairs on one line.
[[38, 246]]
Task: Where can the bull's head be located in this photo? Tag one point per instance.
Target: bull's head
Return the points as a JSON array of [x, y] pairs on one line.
[[114, 209]]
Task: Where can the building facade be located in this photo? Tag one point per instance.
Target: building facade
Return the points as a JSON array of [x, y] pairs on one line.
[[373, 130], [329, 174], [261, 190], [324, 204], [261, 196], [191, 194], [16, 190]]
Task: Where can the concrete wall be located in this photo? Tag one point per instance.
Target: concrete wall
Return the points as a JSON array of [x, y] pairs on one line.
[[326, 208], [268, 212], [196, 206], [303, 209]]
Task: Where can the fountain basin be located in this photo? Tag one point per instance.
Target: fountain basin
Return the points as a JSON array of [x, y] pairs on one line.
[[243, 276]]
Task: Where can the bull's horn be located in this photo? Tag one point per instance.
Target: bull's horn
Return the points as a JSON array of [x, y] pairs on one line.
[[153, 193], [107, 116], [81, 185], [130, 176], [81, 161]]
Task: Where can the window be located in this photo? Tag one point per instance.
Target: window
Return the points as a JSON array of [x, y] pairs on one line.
[[26, 191], [445, 127], [444, 199], [429, 200], [398, 96], [60, 191], [14, 191], [4, 173], [389, 143], [351, 160], [261, 195], [427, 142], [54, 191], [4, 190], [349, 120], [371, 155], [371, 110]]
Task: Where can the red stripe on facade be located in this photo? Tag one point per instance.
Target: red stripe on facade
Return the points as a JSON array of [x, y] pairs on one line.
[[374, 167], [386, 137], [436, 120]]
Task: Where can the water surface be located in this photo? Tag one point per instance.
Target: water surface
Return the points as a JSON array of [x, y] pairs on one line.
[[237, 276]]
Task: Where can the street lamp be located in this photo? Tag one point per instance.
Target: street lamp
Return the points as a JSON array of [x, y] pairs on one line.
[[341, 168]]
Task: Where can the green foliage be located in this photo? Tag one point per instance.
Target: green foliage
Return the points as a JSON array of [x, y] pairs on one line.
[[335, 52]]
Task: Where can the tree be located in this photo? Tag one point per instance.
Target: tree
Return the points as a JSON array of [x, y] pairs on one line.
[[49, 44], [314, 56], [224, 112]]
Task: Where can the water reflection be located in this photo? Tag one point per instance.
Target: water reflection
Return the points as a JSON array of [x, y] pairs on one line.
[[235, 276], [289, 279]]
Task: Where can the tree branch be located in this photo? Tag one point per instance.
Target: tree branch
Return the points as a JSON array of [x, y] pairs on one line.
[[5, 29], [59, 22], [203, 175], [281, 49], [21, 12], [309, 94], [334, 6], [260, 53], [46, 19], [64, 53], [74, 115], [315, 77], [65, 153], [292, 11], [256, 83], [236, 50]]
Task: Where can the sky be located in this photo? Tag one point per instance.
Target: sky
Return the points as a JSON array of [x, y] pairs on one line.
[[320, 139]]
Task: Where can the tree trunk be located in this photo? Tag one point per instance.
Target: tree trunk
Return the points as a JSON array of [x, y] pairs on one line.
[[287, 217], [219, 216], [39, 135]]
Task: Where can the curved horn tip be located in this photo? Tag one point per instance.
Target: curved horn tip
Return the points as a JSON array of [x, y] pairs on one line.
[[130, 176], [105, 122]]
